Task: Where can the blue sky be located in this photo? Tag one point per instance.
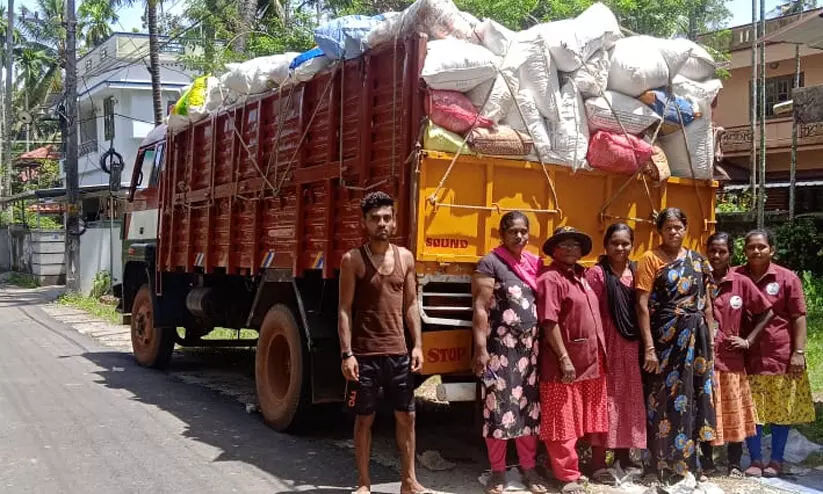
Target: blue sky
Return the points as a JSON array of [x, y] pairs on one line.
[[130, 17]]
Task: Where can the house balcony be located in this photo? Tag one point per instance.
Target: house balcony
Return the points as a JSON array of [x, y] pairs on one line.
[[737, 140]]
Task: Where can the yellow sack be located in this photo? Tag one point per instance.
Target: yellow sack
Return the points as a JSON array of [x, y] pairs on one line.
[[193, 98], [439, 139]]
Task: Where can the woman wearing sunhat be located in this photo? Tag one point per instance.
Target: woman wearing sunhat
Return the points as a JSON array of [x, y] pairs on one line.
[[572, 357]]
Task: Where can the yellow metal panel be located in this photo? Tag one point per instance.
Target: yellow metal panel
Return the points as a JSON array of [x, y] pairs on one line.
[[461, 203]]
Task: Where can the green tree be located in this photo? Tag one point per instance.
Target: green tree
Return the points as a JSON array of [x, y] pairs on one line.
[[95, 18]]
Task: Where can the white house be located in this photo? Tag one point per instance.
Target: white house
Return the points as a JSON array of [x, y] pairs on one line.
[[115, 105], [115, 108]]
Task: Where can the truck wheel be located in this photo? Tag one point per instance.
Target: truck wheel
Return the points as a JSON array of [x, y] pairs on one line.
[[281, 371], [152, 346]]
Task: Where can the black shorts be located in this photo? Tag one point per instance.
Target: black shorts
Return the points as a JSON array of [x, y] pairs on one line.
[[390, 372]]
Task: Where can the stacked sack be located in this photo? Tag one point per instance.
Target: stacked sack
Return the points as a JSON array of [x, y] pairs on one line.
[[573, 92]]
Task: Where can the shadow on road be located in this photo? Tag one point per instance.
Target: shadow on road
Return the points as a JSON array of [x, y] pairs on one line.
[[13, 296], [309, 463]]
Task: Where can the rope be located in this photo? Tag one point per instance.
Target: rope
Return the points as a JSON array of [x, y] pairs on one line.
[[433, 197], [340, 126], [691, 165], [274, 158], [302, 139]]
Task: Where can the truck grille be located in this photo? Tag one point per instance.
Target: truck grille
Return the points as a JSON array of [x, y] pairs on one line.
[[445, 301]]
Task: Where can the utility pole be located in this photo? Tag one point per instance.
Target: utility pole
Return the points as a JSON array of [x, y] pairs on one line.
[[761, 93], [72, 182], [753, 110], [793, 166], [9, 92]]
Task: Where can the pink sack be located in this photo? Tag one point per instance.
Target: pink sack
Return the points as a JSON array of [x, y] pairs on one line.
[[454, 111], [611, 152]]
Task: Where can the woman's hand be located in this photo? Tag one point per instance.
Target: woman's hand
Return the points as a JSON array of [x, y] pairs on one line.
[[797, 364], [567, 369], [481, 360], [650, 362], [738, 344]]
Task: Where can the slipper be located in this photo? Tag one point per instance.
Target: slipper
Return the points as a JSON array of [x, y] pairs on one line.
[[774, 469], [604, 476], [533, 482], [735, 472], [496, 483], [573, 488], [754, 470]]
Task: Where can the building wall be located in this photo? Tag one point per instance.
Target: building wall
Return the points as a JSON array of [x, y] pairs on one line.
[[733, 102], [95, 254], [134, 110]]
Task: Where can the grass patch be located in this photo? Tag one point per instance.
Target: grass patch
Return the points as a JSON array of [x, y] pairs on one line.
[[92, 306], [225, 334], [231, 334], [814, 353], [23, 280]]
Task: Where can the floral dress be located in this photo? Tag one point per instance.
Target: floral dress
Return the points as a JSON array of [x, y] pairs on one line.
[[510, 391], [679, 402]]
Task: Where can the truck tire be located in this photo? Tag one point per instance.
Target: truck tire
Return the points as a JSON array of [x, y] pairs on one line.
[[281, 371], [152, 346]]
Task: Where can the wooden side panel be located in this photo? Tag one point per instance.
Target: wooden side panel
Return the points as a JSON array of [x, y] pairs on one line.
[[277, 181]]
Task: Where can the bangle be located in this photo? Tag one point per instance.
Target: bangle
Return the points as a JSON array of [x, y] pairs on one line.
[[800, 352], [650, 349], [564, 356]]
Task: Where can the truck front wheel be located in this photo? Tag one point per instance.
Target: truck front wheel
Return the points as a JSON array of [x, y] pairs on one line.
[[280, 371], [152, 346]]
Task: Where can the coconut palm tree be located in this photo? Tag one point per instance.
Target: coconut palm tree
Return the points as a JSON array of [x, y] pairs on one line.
[[792, 7], [95, 17]]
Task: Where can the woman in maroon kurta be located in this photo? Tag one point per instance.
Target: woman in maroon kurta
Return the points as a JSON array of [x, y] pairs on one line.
[[735, 296], [572, 356], [612, 280]]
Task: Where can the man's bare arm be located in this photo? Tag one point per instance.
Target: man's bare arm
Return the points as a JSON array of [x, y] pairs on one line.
[[410, 304], [348, 278]]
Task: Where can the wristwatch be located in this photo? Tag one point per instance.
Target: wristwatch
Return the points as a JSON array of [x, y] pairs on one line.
[[346, 355]]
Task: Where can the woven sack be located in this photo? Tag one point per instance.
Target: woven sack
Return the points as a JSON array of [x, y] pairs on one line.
[[500, 141]]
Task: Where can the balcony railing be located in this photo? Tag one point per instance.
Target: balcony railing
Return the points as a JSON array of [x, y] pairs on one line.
[[87, 147], [778, 135]]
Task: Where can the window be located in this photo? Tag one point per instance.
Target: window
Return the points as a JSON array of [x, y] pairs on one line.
[[778, 89], [154, 180], [108, 118]]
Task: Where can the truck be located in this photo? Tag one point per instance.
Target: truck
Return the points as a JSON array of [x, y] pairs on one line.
[[240, 221]]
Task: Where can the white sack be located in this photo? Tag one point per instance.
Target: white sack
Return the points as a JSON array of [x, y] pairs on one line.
[[532, 123], [439, 19], [260, 74], [570, 130], [306, 71], [504, 87], [480, 93], [700, 147], [700, 65], [592, 77], [637, 66], [538, 75], [699, 133], [702, 92], [635, 116], [573, 41], [496, 37], [458, 65]]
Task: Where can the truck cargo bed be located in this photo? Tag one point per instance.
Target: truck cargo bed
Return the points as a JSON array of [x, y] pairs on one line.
[[276, 182]]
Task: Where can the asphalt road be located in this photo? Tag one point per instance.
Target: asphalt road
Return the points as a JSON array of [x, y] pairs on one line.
[[77, 417]]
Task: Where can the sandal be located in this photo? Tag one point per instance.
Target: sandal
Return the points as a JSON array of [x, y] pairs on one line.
[[774, 469], [754, 470], [534, 483], [735, 472], [604, 476], [496, 483], [573, 488]]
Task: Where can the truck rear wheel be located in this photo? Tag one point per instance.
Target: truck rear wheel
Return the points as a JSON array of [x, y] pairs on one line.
[[152, 346], [281, 371]]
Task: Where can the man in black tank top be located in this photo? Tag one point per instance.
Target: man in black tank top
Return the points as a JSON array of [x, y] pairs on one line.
[[378, 293]]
